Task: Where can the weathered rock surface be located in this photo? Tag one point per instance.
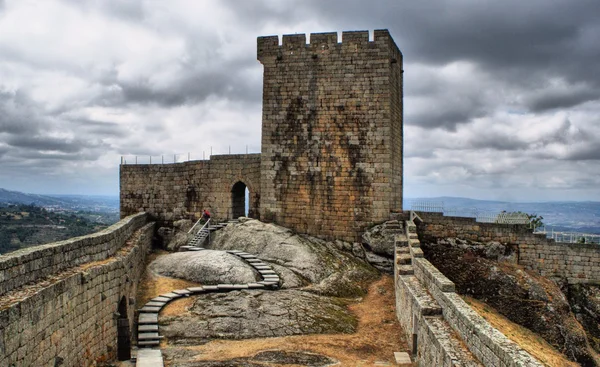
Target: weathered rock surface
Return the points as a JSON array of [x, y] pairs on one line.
[[330, 270], [255, 314], [523, 297], [205, 267], [266, 358], [380, 238], [585, 303]]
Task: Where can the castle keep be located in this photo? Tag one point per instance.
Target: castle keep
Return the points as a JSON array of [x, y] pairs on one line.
[[331, 161]]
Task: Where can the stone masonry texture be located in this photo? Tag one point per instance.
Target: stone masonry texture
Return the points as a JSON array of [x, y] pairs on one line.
[[69, 319], [169, 192], [331, 160]]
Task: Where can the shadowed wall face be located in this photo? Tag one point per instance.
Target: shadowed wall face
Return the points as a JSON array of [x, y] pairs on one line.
[[331, 160]]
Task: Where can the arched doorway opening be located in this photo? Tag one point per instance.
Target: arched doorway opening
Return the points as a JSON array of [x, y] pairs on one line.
[[240, 196], [123, 332]]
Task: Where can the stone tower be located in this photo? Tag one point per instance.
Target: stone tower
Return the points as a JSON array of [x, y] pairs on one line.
[[331, 161]]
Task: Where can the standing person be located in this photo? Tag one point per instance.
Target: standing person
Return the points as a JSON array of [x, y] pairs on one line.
[[205, 215]]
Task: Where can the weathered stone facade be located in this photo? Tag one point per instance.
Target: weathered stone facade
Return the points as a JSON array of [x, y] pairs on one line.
[[331, 132], [331, 161], [69, 317], [170, 192]]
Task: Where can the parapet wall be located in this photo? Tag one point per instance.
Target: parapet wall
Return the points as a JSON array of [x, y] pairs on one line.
[[69, 318], [434, 317], [34, 263], [570, 262], [331, 132], [169, 192]]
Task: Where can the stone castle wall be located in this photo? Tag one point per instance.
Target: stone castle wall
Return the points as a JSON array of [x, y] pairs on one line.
[[170, 192], [571, 262], [331, 132], [69, 317], [442, 328], [34, 263]]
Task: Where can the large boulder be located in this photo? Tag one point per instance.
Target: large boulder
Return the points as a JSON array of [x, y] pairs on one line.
[[257, 314], [205, 267], [330, 270]]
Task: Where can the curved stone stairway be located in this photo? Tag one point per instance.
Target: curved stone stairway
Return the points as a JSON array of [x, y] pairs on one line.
[[149, 354]]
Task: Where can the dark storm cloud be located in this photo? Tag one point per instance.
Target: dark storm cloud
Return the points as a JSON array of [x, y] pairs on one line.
[[584, 152], [191, 89], [561, 98], [46, 143], [497, 141], [515, 42]]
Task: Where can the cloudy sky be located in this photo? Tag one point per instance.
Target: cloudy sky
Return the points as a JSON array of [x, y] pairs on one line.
[[502, 98]]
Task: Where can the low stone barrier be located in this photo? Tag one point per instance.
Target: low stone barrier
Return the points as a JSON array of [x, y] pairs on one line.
[[431, 331], [71, 317], [30, 264]]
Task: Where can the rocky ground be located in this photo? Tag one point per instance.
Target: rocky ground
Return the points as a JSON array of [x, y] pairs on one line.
[[333, 306], [486, 272]]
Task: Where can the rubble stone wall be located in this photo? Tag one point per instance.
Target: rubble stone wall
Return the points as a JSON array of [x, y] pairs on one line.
[[331, 132], [571, 262], [69, 318], [170, 192]]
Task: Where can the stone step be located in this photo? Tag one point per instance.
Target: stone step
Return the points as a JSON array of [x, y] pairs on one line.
[[405, 270], [148, 318], [155, 304], [451, 346], [403, 259], [170, 295], [414, 243], [148, 309], [196, 289], [148, 343], [261, 267], [160, 299], [416, 252], [147, 357], [148, 336], [403, 250], [181, 292], [423, 302], [210, 288], [267, 272], [147, 328], [254, 261]]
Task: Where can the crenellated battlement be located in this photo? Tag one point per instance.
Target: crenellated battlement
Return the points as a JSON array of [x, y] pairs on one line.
[[320, 43]]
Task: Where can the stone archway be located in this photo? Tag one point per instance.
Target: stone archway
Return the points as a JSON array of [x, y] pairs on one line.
[[238, 200], [123, 332]]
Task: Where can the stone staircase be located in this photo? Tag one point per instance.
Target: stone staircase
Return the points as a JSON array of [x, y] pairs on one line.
[[200, 237], [433, 327], [148, 332]]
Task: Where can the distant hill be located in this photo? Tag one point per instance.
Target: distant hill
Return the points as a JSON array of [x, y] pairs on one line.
[[576, 216], [95, 203]]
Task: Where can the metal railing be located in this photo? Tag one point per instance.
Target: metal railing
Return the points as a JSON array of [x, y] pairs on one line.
[[482, 216], [177, 157], [196, 224], [569, 237]]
